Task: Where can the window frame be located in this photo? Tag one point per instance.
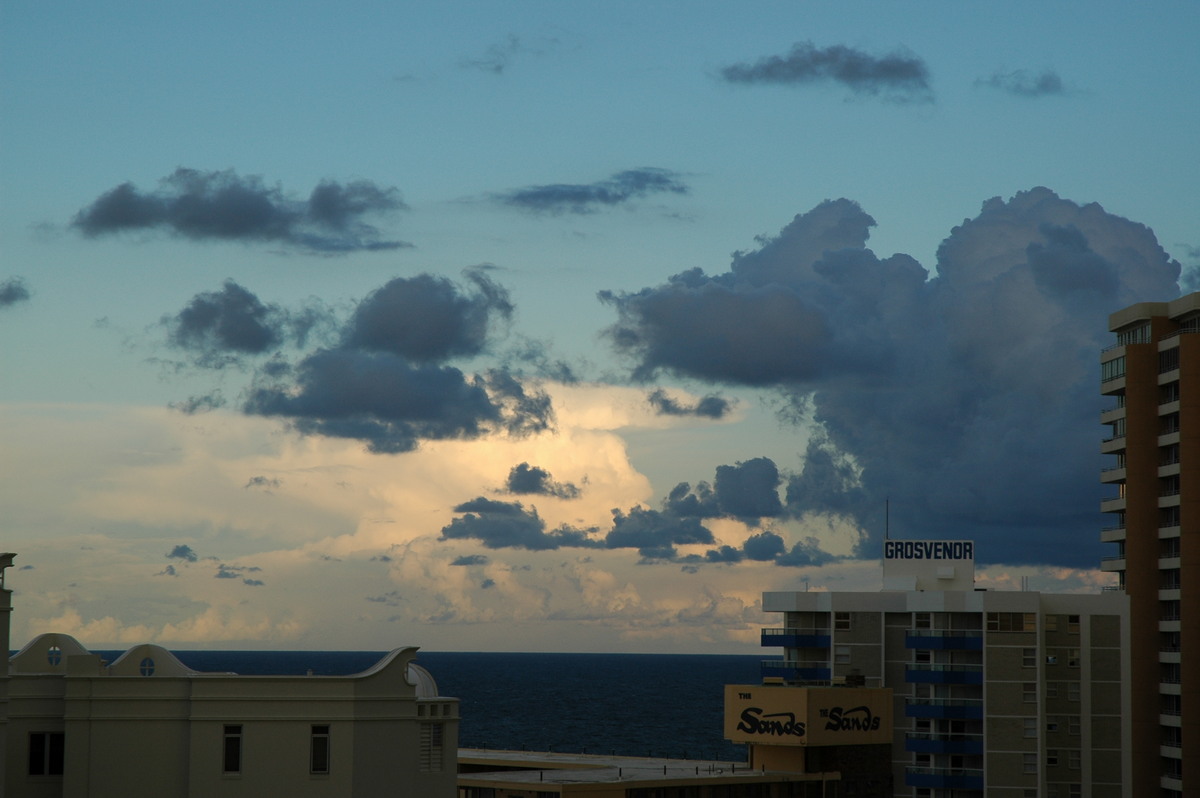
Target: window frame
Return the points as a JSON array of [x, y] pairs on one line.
[[232, 741], [47, 753], [320, 749]]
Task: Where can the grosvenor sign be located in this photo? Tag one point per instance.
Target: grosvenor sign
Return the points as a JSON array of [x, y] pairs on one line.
[[778, 715]]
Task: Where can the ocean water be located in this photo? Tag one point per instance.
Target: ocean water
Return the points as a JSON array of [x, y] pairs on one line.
[[628, 704]]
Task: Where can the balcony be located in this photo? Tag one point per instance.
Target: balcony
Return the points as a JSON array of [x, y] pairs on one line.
[[795, 638], [945, 639], [1112, 504], [944, 708], [1112, 563], [796, 670], [1112, 445], [1110, 475], [1112, 534], [944, 778], [942, 673], [934, 743]]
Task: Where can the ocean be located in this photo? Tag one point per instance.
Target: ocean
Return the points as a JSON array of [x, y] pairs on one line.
[[666, 705]]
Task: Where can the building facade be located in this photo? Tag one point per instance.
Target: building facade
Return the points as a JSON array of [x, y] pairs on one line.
[[1152, 376], [146, 724], [1008, 694]]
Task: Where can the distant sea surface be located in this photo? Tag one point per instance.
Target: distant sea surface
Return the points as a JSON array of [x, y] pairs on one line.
[[628, 704]]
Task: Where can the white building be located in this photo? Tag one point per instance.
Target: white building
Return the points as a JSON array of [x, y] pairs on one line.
[[146, 724], [1009, 694]]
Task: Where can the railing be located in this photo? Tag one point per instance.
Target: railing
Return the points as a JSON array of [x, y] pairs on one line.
[[1112, 528], [1112, 558], [944, 736], [794, 663], [1116, 438], [944, 633], [945, 667], [774, 632], [945, 702], [1169, 586]]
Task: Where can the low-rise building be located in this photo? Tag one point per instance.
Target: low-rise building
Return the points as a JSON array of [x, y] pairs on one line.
[[75, 726]]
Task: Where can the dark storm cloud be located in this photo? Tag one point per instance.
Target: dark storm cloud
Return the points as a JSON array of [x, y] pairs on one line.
[[969, 398], [524, 479], [12, 291], [749, 490], [764, 546], [584, 198], [805, 554], [471, 559], [182, 552], [897, 76], [1025, 84], [687, 502], [500, 525], [711, 406], [427, 318], [225, 206]]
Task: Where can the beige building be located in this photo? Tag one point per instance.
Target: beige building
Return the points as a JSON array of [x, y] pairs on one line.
[[74, 726], [1008, 694], [1152, 374]]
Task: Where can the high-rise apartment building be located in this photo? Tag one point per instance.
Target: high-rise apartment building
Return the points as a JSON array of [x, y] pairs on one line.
[[1003, 694], [1152, 374]]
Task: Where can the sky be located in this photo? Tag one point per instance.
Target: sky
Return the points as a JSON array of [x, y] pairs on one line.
[[537, 326]]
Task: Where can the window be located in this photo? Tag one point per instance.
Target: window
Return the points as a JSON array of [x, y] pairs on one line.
[[1011, 621], [1074, 790], [54, 655], [1134, 335], [146, 667], [1112, 369], [841, 655], [46, 753], [1029, 692], [1051, 757], [431, 747], [1073, 624], [1052, 725], [922, 655], [1073, 658], [1073, 760], [1073, 726], [1073, 692], [232, 759], [1051, 624], [921, 620], [1029, 657], [1029, 763], [841, 621], [1051, 689], [1030, 725], [318, 758]]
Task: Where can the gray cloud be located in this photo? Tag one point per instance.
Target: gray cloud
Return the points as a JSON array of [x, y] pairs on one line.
[[898, 76], [12, 291], [267, 484], [498, 56], [427, 318], [509, 525], [182, 552], [199, 404], [225, 206], [622, 187], [654, 534], [526, 479], [711, 406], [1025, 84], [969, 398]]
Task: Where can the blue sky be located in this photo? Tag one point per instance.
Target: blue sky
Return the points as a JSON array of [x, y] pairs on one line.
[[558, 191]]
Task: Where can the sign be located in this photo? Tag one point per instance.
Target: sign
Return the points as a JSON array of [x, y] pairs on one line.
[[929, 550], [770, 715], [928, 565]]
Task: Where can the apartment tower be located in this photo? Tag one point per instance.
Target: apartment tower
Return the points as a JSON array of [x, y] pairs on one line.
[[1152, 374]]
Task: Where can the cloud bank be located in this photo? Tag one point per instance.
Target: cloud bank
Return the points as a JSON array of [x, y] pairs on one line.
[[221, 205]]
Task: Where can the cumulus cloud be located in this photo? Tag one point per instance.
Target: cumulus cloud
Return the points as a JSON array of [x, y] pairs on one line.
[[1025, 84], [969, 398], [583, 198], [898, 76], [654, 534], [710, 406], [12, 291], [527, 479], [222, 205]]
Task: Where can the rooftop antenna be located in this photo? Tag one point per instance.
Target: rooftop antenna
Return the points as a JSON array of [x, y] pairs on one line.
[[887, 517]]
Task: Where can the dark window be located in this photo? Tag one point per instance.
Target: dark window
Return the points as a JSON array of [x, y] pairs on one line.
[[318, 761], [46, 753], [233, 750]]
